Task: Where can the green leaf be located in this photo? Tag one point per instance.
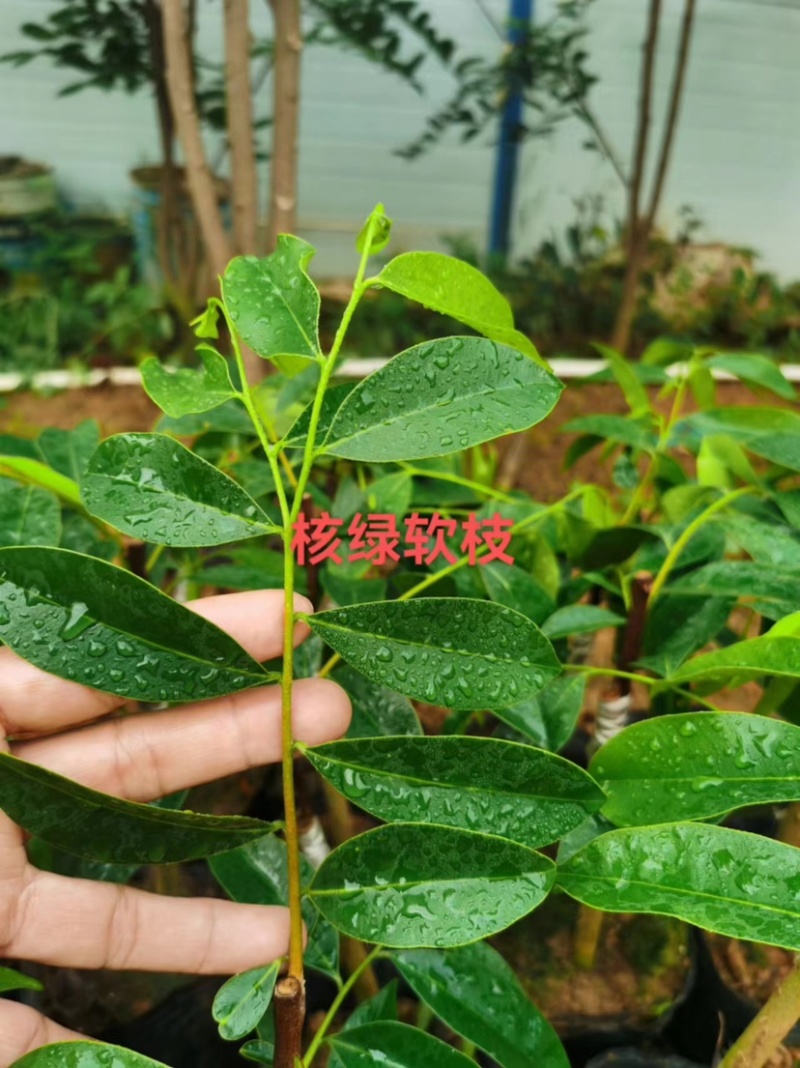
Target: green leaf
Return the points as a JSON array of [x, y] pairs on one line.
[[249, 568], [461, 654], [721, 460], [676, 627], [782, 448], [575, 619], [622, 430], [773, 593], [768, 540], [256, 874], [153, 488], [515, 588], [242, 1001], [382, 1006], [28, 516], [626, 378], [408, 885], [441, 397], [84, 1054], [452, 287], [394, 1045], [229, 418], [610, 546], [11, 445], [85, 620], [205, 324], [34, 473], [376, 710], [258, 1050], [331, 403], [736, 884], [98, 827], [13, 980], [745, 424], [697, 765], [475, 993], [69, 451], [381, 227], [186, 391], [273, 303], [755, 370], [390, 495], [549, 717], [477, 784], [768, 655]]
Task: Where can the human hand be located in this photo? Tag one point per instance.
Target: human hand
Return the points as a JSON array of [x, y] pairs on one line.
[[79, 923]]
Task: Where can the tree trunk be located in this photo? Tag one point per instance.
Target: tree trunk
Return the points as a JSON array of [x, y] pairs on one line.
[[187, 123], [244, 178], [637, 242], [640, 227], [282, 213]]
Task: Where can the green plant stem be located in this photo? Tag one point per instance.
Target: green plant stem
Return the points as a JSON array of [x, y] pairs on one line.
[[346, 987], [688, 534], [154, 557], [436, 576], [646, 680], [459, 480], [642, 489], [766, 1032]]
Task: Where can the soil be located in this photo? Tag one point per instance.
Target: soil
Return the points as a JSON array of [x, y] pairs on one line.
[[540, 472], [642, 966]]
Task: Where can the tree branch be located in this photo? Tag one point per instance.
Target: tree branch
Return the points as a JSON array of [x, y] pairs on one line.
[[240, 125], [676, 96], [282, 213], [184, 110]]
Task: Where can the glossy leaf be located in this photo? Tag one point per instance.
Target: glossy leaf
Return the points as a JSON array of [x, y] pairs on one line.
[[103, 828], [745, 424], [477, 784], [28, 515], [84, 1054], [376, 710], [256, 875], [85, 620], [731, 882], [454, 288], [475, 992], [153, 488], [14, 980], [755, 370], [272, 302], [764, 537], [549, 717], [575, 619], [771, 592], [441, 397], [186, 391], [750, 659], [465, 654], [513, 587], [394, 1045], [408, 885], [697, 765], [331, 403], [34, 473], [69, 451], [242, 1001]]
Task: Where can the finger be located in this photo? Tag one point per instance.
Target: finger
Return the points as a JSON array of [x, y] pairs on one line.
[[80, 923], [34, 701], [151, 755], [23, 1030]]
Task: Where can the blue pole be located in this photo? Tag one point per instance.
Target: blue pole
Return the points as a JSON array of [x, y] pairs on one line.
[[505, 174]]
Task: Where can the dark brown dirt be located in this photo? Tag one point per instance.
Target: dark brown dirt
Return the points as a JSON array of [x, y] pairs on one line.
[[642, 966]]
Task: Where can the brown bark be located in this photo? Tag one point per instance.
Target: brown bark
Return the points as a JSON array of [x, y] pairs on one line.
[[676, 97], [640, 225], [637, 247], [290, 1012], [282, 213], [240, 125], [187, 123]]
